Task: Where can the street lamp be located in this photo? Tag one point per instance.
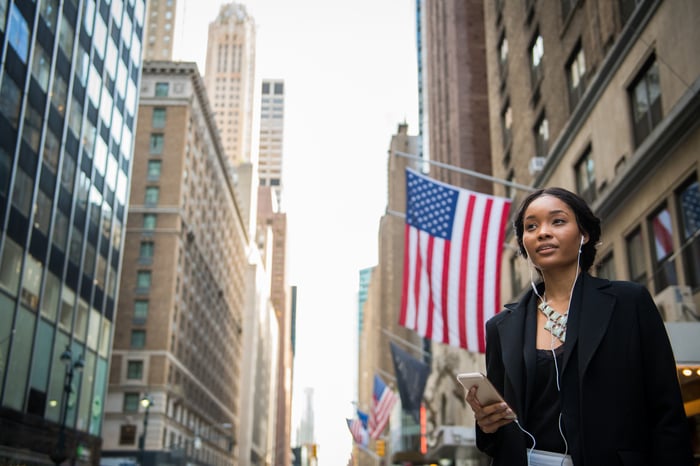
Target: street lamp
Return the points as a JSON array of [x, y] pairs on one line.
[[146, 402], [58, 456]]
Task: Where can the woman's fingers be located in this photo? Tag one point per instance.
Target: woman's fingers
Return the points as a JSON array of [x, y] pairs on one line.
[[490, 417]]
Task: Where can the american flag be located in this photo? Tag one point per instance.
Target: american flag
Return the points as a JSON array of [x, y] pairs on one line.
[[383, 400], [663, 234], [363, 417], [358, 431], [452, 261]]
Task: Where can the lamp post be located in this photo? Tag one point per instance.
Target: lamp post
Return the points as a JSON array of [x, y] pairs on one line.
[[59, 455], [146, 402]]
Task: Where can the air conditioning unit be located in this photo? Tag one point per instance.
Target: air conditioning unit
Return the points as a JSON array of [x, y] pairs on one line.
[[536, 164], [676, 304]]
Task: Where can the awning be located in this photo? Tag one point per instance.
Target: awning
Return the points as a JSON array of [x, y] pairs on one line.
[[685, 340]]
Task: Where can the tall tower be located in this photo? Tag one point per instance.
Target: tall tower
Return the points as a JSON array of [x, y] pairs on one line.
[[305, 434], [68, 97], [271, 136], [158, 33], [229, 77]]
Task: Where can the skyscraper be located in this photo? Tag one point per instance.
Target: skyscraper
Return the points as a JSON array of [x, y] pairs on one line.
[[68, 94], [158, 36], [271, 136], [229, 77], [178, 340]]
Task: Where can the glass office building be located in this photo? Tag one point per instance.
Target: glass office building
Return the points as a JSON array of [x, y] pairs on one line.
[[69, 81]]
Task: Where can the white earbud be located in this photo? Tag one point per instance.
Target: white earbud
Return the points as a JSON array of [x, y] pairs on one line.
[[581, 245]]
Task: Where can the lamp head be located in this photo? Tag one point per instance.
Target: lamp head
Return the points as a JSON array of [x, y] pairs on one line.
[[66, 356], [79, 364], [146, 401]]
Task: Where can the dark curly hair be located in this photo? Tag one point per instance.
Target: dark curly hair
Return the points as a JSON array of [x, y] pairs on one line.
[[586, 220]]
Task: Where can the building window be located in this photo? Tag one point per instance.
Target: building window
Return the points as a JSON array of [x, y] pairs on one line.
[[10, 266], [134, 370], [158, 120], [127, 434], [41, 64], [131, 402], [156, 145], [541, 137], [506, 125], [663, 264], [10, 100], [575, 76], [66, 37], [143, 279], [503, 56], [635, 257], [151, 197], [606, 267], [688, 199], [149, 221], [3, 12], [279, 88], [536, 56], [146, 250], [138, 339], [162, 89], [154, 170], [140, 310], [645, 99], [31, 133], [18, 33], [22, 192], [585, 177]]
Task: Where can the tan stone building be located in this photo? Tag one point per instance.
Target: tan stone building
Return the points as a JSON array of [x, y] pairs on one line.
[[380, 311], [272, 241], [159, 30], [602, 98], [178, 336]]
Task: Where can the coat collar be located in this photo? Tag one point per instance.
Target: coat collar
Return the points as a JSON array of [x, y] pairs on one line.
[[589, 316]]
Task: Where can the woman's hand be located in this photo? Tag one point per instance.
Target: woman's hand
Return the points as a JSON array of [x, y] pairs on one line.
[[490, 417]]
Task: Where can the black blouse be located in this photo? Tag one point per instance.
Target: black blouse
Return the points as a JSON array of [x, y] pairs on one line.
[[543, 420]]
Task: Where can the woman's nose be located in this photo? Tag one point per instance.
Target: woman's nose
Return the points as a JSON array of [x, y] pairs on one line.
[[543, 232]]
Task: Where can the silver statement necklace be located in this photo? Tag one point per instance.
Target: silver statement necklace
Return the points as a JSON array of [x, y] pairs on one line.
[[556, 323]]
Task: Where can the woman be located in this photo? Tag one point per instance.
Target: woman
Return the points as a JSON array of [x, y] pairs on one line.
[[584, 363]]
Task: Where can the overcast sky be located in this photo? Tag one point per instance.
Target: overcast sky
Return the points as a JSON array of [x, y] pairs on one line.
[[350, 80]]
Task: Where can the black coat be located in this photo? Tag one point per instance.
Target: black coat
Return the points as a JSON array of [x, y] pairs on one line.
[[620, 396]]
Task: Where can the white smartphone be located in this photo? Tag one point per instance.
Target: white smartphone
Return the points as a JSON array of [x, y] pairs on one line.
[[486, 393]]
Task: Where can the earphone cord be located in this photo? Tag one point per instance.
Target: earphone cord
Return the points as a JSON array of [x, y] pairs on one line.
[[556, 365]]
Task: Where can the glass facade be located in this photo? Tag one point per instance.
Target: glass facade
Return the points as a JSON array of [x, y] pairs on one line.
[[68, 99]]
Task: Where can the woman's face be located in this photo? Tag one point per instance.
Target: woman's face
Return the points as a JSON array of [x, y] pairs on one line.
[[550, 233]]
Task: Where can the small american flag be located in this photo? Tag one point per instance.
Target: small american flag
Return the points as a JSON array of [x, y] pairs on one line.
[[452, 261], [383, 400], [358, 431]]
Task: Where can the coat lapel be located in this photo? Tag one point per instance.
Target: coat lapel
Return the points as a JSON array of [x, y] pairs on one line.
[[595, 314], [588, 320], [515, 351]]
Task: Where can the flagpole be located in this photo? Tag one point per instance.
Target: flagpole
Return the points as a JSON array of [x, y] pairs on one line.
[[406, 342], [467, 172]]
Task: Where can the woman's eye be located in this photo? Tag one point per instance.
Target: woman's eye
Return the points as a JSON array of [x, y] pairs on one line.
[[530, 227], [558, 221]]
